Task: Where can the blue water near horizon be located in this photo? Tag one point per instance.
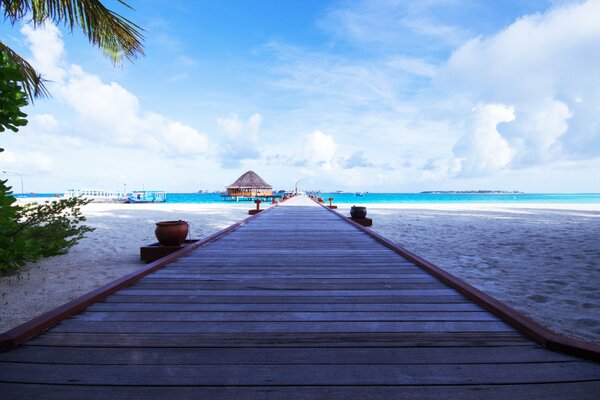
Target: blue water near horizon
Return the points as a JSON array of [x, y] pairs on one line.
[[403, 198]]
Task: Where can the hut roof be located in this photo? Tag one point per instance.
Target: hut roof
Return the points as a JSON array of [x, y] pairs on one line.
[[250, 180]]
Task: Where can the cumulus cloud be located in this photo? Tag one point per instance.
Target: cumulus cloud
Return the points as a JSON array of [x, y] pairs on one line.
[[483, 150], [547, 67], [320, 153], [319, 149], [31, 161], [240, 139], [536, 134], [43, 123], [107, 112], [47, 50], [357, 160], [438, 168]]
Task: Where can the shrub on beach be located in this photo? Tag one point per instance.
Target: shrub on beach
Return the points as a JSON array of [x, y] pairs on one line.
[[37, 230]]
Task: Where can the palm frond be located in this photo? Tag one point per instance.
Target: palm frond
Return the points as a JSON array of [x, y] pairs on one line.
[[115, 35], [33, 83]]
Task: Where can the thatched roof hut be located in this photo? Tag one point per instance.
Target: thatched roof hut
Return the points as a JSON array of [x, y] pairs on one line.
[[249, 185]]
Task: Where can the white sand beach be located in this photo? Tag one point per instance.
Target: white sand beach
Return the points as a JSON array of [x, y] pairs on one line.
[[543, 260]]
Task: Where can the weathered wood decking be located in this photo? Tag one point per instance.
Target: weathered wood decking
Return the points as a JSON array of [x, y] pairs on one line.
[[297, 304]]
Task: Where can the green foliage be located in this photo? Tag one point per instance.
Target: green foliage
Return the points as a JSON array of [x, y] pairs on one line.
[[12, 96], [11, 247], [37, 230], [54, 226]]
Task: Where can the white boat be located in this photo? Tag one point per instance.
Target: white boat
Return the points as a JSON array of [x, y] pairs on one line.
[[147, 196]]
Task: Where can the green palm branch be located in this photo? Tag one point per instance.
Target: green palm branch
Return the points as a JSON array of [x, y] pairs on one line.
[[115, 35]]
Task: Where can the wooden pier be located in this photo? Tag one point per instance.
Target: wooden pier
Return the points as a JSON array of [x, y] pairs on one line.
[[296, 303]]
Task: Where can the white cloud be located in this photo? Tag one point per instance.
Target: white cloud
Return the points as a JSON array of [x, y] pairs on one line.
[[483, 150], [47, 51], [319, 149], [107, 112], [29, 161], [332, 79], [184, 140], [392, 24], [439, 169], [357, 160], [547, 66], [240, 139], [536, 134], [413, 65], [43, 123]]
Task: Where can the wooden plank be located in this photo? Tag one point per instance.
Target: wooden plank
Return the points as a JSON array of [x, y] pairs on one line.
[[314, 307], [276, 285], [273, 298], [265, 339], [292, 356], [562, 391], [244, 375], [278, 316], [319, 271], [299, 293], [278, 327], [188, 276]]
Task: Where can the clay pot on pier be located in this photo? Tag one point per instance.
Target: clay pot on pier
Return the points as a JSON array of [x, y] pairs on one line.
[[171, 233], [358, 212]]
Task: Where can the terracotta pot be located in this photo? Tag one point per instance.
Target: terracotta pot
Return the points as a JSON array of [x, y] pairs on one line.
[[171, 233], [358, 212]]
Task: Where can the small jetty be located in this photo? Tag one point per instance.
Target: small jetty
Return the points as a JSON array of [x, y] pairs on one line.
[[296, 302], [97, 195]]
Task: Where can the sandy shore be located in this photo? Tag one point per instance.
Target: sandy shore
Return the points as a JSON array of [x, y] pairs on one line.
[[543, 260]]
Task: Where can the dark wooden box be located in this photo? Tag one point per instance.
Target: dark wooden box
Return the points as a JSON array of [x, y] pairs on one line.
[[362, 221], [156, 250]]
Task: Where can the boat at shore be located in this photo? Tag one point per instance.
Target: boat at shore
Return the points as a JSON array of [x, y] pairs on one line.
[[147, 196]]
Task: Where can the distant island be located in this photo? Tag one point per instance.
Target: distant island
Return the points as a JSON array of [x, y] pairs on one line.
[[472, 192]]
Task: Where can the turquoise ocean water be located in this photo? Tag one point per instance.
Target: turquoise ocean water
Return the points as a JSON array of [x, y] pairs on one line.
[[398, 198]]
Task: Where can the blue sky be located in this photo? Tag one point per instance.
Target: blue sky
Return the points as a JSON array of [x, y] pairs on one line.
[[396, 96]]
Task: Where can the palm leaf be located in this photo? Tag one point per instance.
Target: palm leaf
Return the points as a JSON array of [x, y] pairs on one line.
[[115, 35], [33, 83]]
